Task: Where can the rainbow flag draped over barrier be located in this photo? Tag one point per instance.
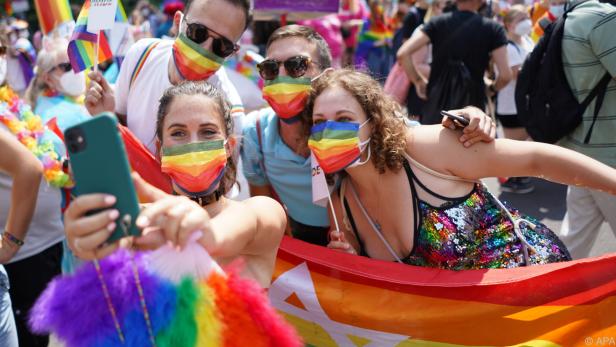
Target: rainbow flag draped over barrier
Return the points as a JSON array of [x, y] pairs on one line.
[[52, 13], [82, 47], [335, 299]]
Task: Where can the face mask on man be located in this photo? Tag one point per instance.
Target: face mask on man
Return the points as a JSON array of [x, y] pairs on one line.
[[73, 84], [523, 28], [194, 63]]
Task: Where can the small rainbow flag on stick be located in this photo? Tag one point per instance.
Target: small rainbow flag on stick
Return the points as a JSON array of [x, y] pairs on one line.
[[52, 13], [82, 48]]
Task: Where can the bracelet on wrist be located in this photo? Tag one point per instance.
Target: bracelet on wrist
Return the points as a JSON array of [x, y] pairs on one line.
[[7, 235]]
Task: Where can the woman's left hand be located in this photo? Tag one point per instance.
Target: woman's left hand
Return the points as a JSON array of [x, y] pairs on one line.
[[480, 127], [168, 218]]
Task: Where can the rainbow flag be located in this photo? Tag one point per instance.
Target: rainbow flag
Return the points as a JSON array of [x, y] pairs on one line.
[[373, 36], [335, 299], [52, 13], [82, 47], [8, 7]]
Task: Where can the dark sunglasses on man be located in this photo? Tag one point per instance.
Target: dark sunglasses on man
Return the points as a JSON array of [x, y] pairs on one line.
[[295, 66], [221, 46]]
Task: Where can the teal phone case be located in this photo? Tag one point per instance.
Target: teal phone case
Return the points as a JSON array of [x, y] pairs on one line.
[[99, 164]]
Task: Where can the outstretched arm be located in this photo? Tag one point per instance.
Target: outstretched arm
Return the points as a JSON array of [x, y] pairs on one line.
[[26, 171], [504, 157]]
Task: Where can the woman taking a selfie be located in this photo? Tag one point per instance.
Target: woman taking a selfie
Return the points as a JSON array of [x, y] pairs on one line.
[[412, 194], [194, 136]]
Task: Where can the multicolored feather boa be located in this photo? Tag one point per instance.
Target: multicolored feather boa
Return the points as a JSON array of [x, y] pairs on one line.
[[29, 130], [217, 310]]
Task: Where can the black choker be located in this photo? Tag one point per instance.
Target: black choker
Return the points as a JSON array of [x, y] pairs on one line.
[[207, 199]]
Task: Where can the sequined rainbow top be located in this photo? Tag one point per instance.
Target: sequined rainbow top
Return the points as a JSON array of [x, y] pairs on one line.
[[473, 232]]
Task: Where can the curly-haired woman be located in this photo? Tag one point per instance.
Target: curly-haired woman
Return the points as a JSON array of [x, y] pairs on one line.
[[412, 195]]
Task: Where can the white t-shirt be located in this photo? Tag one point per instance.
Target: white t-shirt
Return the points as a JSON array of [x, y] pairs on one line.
[[140, 102], [516, 54], [46, 228]]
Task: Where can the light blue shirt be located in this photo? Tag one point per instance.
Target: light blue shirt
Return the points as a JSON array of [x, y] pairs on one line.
[[286, 171], [66, 112]]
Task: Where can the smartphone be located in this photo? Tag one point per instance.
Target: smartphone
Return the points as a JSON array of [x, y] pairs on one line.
[[99, 164], [456, 119]]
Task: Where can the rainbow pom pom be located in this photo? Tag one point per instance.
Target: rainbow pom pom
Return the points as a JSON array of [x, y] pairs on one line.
[[218, 310]]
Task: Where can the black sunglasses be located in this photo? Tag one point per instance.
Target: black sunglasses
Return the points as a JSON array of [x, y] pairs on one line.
[[221, 46], [64, 67], [295, 67]]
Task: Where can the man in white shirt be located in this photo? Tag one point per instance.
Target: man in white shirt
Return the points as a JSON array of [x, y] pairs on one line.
[[206, 38]]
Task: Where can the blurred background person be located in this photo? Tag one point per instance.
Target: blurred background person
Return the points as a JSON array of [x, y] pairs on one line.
[[518, 26], [21, 56]]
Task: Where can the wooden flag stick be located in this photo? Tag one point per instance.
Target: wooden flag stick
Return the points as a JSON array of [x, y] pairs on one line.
[[98, 41]]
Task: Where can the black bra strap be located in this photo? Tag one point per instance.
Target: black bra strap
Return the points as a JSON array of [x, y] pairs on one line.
[[410, 173], [362, 249], [416, 213]]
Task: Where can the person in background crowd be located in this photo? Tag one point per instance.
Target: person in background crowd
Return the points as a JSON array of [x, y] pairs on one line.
[[21, 56], [352, 15], [518, 26], [150, 14], [205, 40], [462, 44], [58, 92], [374, 48], [588, 51], [537, 10], [422, 58], [33, 232], [139, 26], [193, 118], [413, 18], [556, 9], [23, 173], [329, 27], [170, 7], [398, 201]]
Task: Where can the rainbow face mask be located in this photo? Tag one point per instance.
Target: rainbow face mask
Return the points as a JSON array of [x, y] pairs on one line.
[[196, 168], [194, 63], [336, 145], [287, 95]]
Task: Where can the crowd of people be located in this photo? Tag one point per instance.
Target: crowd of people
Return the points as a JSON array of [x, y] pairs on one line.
[[404, 181]]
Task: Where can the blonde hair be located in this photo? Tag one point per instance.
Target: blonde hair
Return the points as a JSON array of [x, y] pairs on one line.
[[513, 12], [45, 61]]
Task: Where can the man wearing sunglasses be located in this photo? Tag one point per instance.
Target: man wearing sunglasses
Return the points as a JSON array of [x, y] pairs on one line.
[[206, 38], [275, 154]]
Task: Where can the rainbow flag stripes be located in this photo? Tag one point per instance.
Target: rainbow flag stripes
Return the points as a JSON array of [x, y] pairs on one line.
[[336, 299], [52, 13], [194, 62], [81, 49], [335, 145], [195, 167]]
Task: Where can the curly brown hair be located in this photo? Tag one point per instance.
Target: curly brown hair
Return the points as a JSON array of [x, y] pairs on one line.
[[388, 138]]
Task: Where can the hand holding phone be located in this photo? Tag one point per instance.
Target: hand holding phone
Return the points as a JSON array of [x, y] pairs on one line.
[[457, 120], [99, 164]]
